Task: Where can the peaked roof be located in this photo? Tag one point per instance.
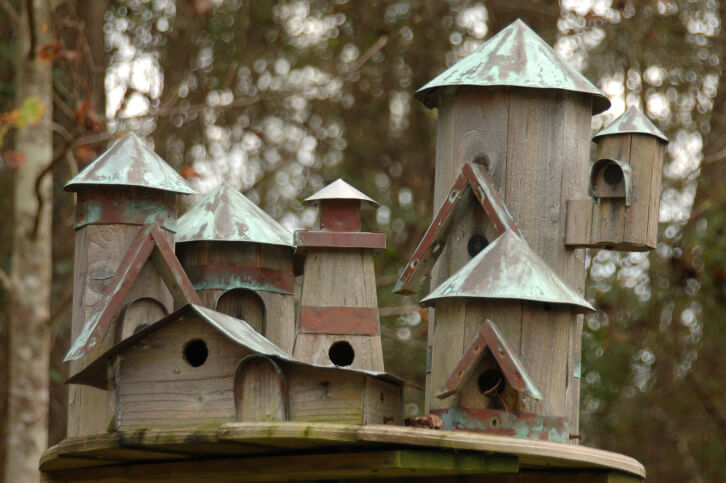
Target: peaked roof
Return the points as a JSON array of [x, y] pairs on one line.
[[516, 56], [130, 162], [225, 214], [508, 269], [632, 121], [339, 190], [148, 243], [236, 330], [473, 179], [490, 338]]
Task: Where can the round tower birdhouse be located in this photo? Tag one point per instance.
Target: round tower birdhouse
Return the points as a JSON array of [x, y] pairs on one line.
[[624, 187], [120, 196], [522, 113], [240, 261], [499, 360], [338, 320]]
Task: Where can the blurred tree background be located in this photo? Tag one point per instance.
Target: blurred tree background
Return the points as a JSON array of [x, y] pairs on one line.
[[279, 98]]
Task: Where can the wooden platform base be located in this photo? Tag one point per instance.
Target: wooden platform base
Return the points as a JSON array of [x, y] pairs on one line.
[[309, 451]]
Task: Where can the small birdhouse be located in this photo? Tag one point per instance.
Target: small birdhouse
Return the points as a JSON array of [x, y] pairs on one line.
[[622, 213], [240, 261], [338, 317], [125, 189], [499, 361], [199, 366]]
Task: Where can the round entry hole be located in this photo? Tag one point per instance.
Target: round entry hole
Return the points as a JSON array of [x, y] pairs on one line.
[[613, 174], [341, 353], [491, 383], [196, 352], [476, 244]]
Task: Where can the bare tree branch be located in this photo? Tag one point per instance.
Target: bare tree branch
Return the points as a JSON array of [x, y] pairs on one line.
[[10, 10]]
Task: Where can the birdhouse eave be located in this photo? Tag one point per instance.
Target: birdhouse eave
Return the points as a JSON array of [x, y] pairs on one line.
[[632, 121]]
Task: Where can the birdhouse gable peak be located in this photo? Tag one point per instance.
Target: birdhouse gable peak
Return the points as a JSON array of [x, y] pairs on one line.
[[514, 57], [225, 214], [130, 163]]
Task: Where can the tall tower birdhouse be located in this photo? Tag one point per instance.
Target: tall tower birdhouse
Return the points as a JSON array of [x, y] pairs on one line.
[[128, 188], [520, 111], [240, 261], [338, 320], [500, 358], [622, 213]]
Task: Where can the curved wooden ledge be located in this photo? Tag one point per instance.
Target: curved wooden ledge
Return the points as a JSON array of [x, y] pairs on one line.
[[260, 451]]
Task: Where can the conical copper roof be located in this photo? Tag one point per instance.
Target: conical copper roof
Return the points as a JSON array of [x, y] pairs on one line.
[[339, 190], [515, 57], [632, 121], [508, 269], [225, 214], [130, 162]]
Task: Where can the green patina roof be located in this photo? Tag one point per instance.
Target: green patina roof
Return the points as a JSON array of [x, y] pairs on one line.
[[516, 57], [130, 162], [339, 190], [632, 121], [225, 214], [508, 269]]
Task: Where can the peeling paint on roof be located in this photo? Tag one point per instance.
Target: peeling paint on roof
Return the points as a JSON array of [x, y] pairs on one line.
[[236, 330], [339, 190], [508, 269], [130, 162], [632, 121], [515, 57], [225, 214]]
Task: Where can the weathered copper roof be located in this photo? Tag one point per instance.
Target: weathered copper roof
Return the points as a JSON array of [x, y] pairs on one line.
[[130, 162], [236, 330], [632, 121], [508, 269], [225, 214], [339, 190], [516, 57]]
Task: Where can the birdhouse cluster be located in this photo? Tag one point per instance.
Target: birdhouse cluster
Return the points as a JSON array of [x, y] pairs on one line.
[[223, 315]]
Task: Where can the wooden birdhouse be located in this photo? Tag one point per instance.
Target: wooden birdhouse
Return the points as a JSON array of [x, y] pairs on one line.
[[127, 188], [240, 261], [622, 212], [499, 361], [199, 366], [338, 317], [519, 110]]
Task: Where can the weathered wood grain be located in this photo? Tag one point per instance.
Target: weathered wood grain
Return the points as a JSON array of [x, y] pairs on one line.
[[260, 390]]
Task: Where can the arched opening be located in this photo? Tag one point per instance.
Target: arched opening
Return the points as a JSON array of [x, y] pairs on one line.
[[244, 304], [341, 353], [610, 178], [139, 314], [260, 390]]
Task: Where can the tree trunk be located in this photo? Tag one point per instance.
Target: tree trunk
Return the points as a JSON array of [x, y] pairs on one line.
[[30, 278]]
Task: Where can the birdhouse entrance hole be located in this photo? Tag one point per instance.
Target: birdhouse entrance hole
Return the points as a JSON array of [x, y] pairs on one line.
[[476, 244], [196, 352], [491, 383], [610, 178], [341, 353]]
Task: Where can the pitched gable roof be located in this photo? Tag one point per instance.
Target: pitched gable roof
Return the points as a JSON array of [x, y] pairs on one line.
[[508, 269], [490, 338], [473, 179], [149, 243], [516, 56], [236, 330], [225, 214], [130, 162]]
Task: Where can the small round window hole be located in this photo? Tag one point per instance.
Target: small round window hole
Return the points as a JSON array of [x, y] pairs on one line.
[[476, 244], [341, 353], [196, 352], [491, 383], [613, 174]]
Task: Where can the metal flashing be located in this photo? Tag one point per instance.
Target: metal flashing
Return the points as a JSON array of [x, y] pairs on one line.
[[227, 215], [339, 190], [236, 330], [130, 163], [508, 269], [515, 57], [632, 121]]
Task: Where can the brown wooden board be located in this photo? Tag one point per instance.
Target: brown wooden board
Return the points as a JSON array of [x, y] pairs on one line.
[[339, 320]]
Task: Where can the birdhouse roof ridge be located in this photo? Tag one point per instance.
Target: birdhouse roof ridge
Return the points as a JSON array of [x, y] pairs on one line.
[[514, 57], [632, 121], [130, 162], [508, 269], [225, 214], [340, 190], [236, 330]]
